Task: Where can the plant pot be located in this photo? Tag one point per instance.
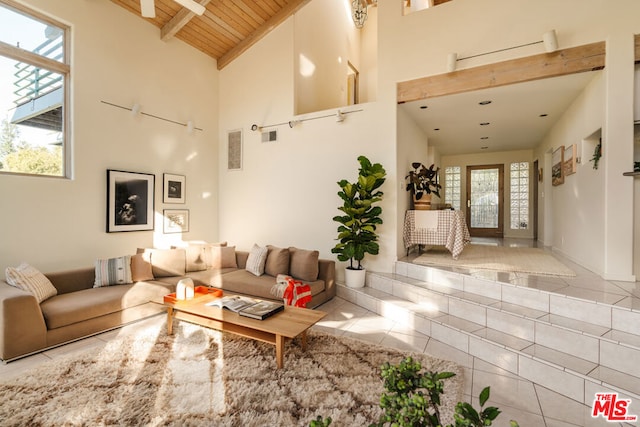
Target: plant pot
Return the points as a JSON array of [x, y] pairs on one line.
[[424, 204], [354, 278]]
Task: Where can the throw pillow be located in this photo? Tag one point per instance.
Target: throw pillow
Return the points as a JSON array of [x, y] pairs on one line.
[[29, 279], [113, 271], [304, 264], [223, 257], [256, 260], [277, 261], [141, 268]]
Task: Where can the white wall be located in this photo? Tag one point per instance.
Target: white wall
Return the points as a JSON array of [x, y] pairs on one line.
[[412, 147], [57, 223], [286, 193], [578, 204]]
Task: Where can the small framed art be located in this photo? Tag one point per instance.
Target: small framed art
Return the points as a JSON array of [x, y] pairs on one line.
[[174, 188], [557, 162], [130, 201], [569, 160], [176, 221], [234, 150]]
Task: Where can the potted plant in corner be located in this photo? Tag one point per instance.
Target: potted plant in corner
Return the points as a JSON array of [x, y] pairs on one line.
[[422, 183], [357, 231]]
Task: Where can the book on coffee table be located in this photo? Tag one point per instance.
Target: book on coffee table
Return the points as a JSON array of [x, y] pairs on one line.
[[248, 307]]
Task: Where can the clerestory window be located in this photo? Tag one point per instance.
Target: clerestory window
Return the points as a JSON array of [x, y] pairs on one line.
[[34, 81]]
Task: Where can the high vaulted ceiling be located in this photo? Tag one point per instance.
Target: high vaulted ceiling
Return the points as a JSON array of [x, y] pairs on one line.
[[225, 30]]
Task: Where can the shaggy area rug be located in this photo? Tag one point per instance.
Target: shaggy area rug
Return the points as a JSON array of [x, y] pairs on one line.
[[202, 377], [500, 258]]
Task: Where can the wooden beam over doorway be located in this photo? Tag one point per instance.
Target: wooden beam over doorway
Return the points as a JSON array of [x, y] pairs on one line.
[[562, 62]]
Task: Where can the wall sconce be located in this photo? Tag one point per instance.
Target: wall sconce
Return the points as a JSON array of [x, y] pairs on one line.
[[293, 123], [359, 12], [452, 58], [550, 41]]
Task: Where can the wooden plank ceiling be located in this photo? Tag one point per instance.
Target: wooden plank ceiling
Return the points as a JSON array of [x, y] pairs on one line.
[[225, 30]]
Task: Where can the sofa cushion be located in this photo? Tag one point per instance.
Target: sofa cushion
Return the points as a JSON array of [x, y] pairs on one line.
[[141, 267], [201, 249], [166, 262], [195, 258], [256, 260], [28, 278], [223, 257], [113, 271], [243, 282], [74, 307], [304, 264], [277, 261], [210, 277]]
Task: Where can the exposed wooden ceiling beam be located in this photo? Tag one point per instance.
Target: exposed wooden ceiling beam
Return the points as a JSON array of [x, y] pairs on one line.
[[176, 23], [284, 13], [562, 62]]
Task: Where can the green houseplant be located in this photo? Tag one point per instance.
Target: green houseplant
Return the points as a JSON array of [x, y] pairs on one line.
[[422, 182], [360, 216]]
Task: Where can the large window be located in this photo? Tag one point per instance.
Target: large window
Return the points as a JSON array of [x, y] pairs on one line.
[[519, 196], [452, 186], [34, 74]]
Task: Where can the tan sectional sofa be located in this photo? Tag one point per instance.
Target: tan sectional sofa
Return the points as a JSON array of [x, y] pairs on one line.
[[80, 310]]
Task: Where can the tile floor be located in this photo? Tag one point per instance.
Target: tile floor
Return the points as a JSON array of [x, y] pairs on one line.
[[519, 399]]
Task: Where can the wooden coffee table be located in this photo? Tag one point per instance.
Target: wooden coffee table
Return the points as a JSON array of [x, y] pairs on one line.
[[275, 330]]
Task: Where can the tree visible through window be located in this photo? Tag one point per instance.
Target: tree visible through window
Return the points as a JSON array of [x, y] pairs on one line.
[[519, 196], [33, 76]]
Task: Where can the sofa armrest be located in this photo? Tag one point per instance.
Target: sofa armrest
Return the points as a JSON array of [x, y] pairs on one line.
[[327, 272], [22, 326]]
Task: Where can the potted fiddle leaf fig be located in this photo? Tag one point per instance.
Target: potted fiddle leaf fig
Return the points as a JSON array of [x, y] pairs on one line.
[[422, 182], [360, 216]]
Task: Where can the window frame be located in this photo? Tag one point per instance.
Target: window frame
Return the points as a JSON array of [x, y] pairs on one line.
[[61, 67]]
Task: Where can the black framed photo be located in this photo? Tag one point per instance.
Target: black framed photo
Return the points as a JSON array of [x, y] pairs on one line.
[[130, 201], [174, 188], [176, 221]]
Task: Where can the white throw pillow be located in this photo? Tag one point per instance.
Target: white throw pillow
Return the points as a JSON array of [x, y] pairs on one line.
[[256, 260], [113, 271], [29, 279]]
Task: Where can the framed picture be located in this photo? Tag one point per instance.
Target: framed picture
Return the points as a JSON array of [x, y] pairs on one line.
[[234, 154], [176, 221], [130, 201], [174, 188], [569, 162], [557, 162]]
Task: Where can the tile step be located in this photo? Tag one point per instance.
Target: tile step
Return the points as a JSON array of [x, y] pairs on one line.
[[567, 374], [613, 317]]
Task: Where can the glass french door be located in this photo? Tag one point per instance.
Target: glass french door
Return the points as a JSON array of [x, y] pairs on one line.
[[485, 194]]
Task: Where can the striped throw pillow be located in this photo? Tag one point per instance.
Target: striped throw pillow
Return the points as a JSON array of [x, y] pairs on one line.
[[256, 260], [113, 271], [29, 279]]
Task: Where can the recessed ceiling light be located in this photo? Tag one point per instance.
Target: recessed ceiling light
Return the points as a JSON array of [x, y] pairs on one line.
[[437, 129], [484, 148], [485, 102], [484, 137], [543, 115], [484, 124], [423, 107]]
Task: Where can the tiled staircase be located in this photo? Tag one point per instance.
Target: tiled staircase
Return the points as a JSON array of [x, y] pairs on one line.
[[572, 346]]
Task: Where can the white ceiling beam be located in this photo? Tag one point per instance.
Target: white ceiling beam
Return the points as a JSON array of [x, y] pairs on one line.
[[182, 18]]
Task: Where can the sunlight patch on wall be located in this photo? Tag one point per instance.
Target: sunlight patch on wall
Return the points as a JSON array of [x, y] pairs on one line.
[[307, 67]]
